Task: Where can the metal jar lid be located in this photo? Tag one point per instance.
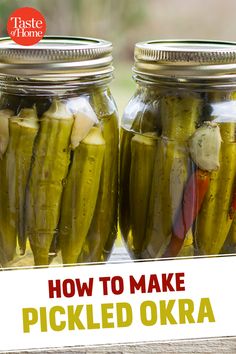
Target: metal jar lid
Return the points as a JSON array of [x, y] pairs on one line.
[[186, 60], [56, 56]]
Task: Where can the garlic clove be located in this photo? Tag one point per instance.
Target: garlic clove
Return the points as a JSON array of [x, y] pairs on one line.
[[84, 119], [204, 146]]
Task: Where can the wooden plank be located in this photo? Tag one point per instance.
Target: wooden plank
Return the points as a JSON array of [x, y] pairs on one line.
[[226, 345]]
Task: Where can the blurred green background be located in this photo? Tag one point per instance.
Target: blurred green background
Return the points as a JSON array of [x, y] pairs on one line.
[[125, 22]]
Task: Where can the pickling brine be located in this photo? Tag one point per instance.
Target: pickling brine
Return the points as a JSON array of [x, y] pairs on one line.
[[178, 148]]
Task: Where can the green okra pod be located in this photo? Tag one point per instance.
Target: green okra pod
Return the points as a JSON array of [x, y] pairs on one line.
[[109, 229], [187, 249], [172, 168], [143, 151], [7, 212], [125, 163], [48, 172], [80, 195], [213, 222], [145, 107], [179, 115], [102, 103], [230, 243], [84, 119], [103, 228], [23, 131], [106, 225], [5, 115]]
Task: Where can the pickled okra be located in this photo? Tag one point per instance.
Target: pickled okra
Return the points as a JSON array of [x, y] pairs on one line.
[[230, 242], [109, 201], [48, 171], [213, 222], [47, 159], [143, 151], [103, 229], [144, 107], [125, 163], [187, 249], [80, 194], [108, 191], [5, 115], [7, 217], [23, 131], [59, 142], [172, 168], [190, 185], [15, 167], [193, 180], [103, 225]]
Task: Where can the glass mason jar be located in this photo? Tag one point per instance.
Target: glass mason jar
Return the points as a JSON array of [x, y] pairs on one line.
[[59, 152], [178, 151]]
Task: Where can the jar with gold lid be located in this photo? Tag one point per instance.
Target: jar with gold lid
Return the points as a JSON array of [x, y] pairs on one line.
[[59, 152], [178, 151]]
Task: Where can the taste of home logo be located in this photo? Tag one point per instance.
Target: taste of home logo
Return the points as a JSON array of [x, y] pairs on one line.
[[26, 26]]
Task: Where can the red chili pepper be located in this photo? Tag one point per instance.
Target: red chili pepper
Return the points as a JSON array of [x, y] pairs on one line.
[[232, 209], [193, 197]]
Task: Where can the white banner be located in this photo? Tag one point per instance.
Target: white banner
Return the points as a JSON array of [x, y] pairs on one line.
[[118, 303]]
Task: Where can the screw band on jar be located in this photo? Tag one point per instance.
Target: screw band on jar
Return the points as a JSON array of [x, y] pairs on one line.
[[187, 61]]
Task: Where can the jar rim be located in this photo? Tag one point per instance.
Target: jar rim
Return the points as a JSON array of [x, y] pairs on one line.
[[186, 60], [68, 57]]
